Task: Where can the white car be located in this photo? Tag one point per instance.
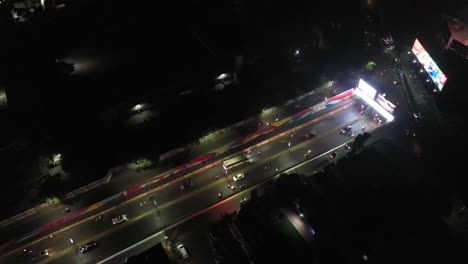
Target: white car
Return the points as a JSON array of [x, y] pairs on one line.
[[182, 251], [239, 176], [119, 219]]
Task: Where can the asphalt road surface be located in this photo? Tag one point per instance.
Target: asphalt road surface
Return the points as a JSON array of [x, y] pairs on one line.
[[193, 232], [173, 203]]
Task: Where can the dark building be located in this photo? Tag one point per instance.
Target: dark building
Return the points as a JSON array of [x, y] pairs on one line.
[[155, 254], [24, 10], [3, 99], [456, 38]]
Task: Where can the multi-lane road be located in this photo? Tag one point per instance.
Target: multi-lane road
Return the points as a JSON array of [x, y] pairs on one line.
[[145, 217]]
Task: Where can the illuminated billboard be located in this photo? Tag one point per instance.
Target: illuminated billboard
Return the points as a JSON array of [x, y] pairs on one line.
[[437, 76], [389, 117], [387, 105], [367, 89], [367, 93]]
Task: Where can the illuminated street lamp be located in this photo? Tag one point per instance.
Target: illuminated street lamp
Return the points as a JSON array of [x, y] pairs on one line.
[[222, 76], [56, 158], [138, 107]]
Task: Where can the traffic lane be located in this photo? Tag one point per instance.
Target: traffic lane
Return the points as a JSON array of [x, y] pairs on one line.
[[60, 244], [171, 179], [171, 195], [287, 110], [282, 112], [345, 117], [339, 117], [139, 226], [197, 247], [175, 212], [215, 171], [194, 233], [268, 149], [309, 168], [291, 156], [206, 195], [165, 216], [60, 237]]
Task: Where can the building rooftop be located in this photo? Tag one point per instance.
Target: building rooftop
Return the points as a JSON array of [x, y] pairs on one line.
[[459, 30]]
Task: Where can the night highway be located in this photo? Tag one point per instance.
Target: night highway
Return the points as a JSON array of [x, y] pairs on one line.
[[233, 132], [173, 203]]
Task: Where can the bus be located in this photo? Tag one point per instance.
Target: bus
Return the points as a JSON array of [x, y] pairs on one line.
[[234, 161]]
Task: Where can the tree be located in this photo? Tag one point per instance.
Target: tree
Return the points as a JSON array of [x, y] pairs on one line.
[[370, 65], [287, 186], [52, 186], [359, 141]]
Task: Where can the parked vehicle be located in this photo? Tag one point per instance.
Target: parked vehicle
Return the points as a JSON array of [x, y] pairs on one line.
[[182, 251]]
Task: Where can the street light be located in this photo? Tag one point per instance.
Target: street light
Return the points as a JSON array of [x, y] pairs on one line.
[[56, 158], [138, 107], [222, 76]]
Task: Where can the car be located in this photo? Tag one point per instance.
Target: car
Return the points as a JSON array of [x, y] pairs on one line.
[[332, 155], [347, 147], [42, 254], [26, 252], [300, 212], [119, 219], [242, 186], [182, 251], [237, 177], [88, 246], [345, 130], [311, 134], [186, 185], [417, 119]]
